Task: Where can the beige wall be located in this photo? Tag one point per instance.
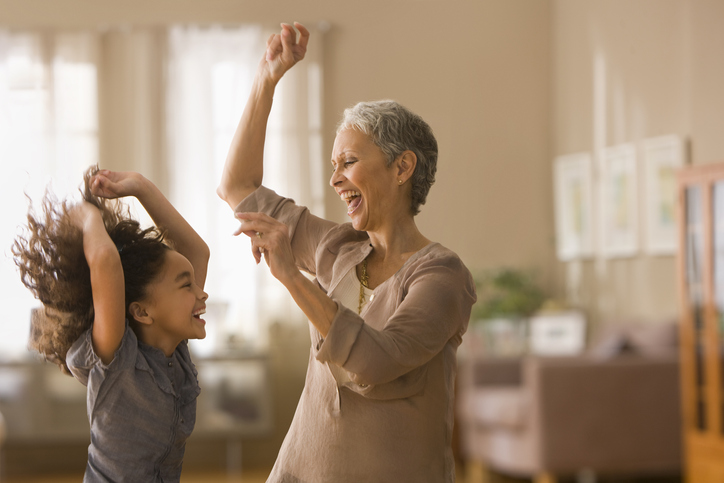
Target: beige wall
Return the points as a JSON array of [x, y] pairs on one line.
[[661, 70]]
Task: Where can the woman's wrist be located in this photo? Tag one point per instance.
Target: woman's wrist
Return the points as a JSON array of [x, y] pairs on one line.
[[143, 188]]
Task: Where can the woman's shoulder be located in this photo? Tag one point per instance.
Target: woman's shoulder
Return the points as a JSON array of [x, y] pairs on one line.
[[437, 258], [437, 252]]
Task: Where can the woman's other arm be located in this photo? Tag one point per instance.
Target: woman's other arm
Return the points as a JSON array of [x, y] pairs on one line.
[[115, 184], [107, 282], [243, 171]]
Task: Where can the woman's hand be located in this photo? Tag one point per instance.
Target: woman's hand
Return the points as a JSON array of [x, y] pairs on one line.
[[283, 50], [270, 238], [116, 184]]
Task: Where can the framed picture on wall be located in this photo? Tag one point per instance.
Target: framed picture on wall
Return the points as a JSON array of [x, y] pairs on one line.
[[662, 157], [573, 206], [619, 201]]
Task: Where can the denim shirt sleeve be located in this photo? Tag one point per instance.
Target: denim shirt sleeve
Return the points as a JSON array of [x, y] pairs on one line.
[[82, 358]]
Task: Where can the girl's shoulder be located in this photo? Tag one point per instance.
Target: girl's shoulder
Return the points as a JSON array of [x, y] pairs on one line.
[[82, 358]]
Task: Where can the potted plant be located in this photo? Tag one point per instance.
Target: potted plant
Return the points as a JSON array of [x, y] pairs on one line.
[[506, 298]]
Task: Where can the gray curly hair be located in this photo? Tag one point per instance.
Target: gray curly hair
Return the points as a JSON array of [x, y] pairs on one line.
[[395, 129]]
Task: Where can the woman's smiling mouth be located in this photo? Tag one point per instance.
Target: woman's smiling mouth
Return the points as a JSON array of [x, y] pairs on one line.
[[352, 198]]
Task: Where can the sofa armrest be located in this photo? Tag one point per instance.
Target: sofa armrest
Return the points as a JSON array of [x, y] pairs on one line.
[[614, 415]]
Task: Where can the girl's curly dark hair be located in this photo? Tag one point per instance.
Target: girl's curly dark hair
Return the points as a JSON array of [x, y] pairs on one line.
[[50, 258]]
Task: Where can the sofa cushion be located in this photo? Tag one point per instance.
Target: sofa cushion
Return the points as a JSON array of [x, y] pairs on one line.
[[495, 406]]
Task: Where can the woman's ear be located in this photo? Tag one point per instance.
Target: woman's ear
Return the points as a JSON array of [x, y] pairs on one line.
[[139, 313], [406, 163]]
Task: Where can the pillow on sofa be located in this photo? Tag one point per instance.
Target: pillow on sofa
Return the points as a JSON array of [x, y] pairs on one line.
[[654, 338], [646, 339], [612, 342]]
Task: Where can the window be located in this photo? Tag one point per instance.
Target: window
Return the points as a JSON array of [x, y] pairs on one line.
[[48, 132], [210, 73], [49, 91]]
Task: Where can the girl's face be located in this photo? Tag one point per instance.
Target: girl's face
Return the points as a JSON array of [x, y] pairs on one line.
[[175, 303], [363, 180]]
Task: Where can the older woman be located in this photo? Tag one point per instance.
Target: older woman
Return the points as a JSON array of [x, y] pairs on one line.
[[388, 307]]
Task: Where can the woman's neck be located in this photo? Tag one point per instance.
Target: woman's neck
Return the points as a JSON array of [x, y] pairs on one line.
[[390, 251]]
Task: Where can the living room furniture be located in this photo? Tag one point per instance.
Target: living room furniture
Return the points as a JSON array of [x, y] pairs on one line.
[[701, 290], [613, 411]]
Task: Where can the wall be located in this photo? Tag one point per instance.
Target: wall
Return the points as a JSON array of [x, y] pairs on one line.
[[660, 71]]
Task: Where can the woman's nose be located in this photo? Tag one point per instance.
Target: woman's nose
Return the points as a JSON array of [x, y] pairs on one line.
[[335, 179]]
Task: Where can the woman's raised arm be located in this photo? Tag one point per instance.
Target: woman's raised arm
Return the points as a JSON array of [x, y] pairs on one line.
[[243, 171]]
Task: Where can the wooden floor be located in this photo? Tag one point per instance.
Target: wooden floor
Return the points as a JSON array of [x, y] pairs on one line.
[[473, 474], [251, 476]]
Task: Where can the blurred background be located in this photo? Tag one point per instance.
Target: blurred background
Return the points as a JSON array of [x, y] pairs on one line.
[[510, 88]]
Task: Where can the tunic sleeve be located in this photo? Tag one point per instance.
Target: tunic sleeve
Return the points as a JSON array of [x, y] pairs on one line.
[[305, 229]]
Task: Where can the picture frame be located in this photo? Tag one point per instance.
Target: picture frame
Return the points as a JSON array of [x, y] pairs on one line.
[[573, 185], [557, 334], [662, 157], [619, 201]]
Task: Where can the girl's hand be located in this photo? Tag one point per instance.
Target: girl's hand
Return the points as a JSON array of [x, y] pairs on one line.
[[283, 50], [116, 184], [270, 238]]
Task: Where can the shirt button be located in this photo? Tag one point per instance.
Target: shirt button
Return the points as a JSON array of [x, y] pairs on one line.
[[170, 364], [362, 385]]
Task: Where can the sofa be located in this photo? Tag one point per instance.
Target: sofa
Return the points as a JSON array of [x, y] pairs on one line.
[[613, 410]]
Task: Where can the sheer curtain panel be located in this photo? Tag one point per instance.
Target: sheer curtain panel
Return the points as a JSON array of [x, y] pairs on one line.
[[209, 77], [48, 131]]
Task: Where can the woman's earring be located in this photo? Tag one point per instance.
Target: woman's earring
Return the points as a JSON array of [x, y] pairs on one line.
[[399, 181]]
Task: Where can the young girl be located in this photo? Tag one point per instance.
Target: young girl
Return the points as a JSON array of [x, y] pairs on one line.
[[118, 307]]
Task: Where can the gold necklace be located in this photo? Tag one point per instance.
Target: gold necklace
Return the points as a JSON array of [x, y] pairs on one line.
[[364, 282]]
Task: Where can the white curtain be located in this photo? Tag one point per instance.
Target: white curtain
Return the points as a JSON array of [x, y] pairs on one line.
[[209, 77], [48, 132]]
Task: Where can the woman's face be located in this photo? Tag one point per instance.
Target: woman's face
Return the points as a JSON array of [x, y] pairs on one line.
[[360, 177]]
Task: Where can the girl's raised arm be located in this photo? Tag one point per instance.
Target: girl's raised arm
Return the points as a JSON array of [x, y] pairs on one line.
[[243, 170], [107, 282], [116, 184]]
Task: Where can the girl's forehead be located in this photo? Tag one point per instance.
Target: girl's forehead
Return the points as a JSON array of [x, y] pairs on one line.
[[174, 266]]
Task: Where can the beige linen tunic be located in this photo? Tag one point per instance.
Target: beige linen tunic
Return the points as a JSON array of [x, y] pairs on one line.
[[392, 420]]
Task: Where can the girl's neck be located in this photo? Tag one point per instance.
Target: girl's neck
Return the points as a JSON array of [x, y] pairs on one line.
[[149, 336]]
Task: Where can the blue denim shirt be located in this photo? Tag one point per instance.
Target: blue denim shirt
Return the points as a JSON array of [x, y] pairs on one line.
[[141, 408]]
